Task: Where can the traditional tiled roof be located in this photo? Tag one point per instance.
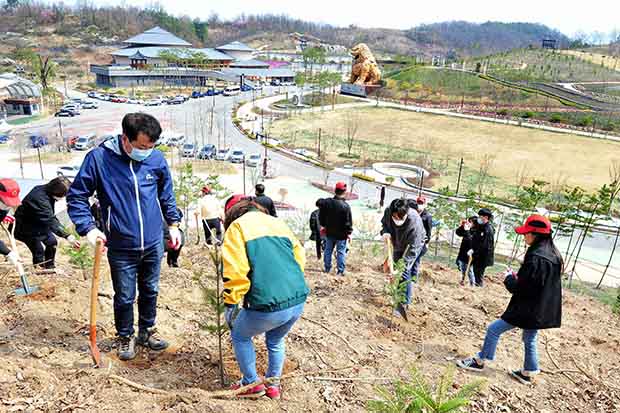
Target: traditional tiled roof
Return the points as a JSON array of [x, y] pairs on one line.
[[236, 47], [157, 37], [250, 63], [155, 52]]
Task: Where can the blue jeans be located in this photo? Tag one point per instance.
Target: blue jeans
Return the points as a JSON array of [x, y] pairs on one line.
[[129, 268], [341, 254], [416, 265], [462, 266], [275, 325], [499, 327]]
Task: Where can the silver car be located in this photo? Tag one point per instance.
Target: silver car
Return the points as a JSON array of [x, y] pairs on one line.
[[237, 156], [253, 160], [189, 150]]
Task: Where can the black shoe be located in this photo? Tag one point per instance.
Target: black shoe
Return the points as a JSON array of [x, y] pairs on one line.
[[522, 378], [340, 273], [151, 339], [126, 348], [470, 364], [174, 264]]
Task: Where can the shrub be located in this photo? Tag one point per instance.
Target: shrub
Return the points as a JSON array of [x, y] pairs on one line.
[[502, 112], [556, 118], [349, 155], [363, 177], [585, 121], [527, 115]]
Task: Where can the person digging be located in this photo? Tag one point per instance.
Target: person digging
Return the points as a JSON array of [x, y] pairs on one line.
[[9, 200], [134, 188]]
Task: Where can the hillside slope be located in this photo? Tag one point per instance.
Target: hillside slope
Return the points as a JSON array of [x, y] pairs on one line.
[[346, 327]]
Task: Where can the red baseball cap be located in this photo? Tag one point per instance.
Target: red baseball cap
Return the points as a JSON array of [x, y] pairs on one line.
[[233, 200], [537, 224], [421, 200], [341, 186], [206, 190], [9, 192]]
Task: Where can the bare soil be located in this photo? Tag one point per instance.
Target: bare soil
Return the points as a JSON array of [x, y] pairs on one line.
[[347, 325]]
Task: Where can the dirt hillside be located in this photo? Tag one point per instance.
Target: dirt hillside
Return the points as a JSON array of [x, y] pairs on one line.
[[346, 327]]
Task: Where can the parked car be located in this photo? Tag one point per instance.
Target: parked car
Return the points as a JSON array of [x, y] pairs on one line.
[[68, 171], [86, 142], [66, 113], [189, 150], [176, 140], [153, 102], [223, 154], [231, 91], [37, 140], [237, 156], [4, 138], [89, 104], [72, 107], [105, 97], [207, 152], [134, 101], [246, 88], [176, 100], [92, 94], [254, 160]]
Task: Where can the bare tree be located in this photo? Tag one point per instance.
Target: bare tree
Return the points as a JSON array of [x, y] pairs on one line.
[[484, 172], [614, 186], [352, 123]]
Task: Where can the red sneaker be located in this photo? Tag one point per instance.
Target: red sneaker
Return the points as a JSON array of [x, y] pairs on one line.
[[273, 392], [251, 393]]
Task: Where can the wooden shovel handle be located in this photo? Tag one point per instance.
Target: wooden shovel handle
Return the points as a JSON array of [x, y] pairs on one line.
[[94, 289]]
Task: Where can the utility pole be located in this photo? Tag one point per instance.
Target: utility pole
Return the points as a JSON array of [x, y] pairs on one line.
[[243, 174], [319, 149], [40, 163], [458, 182]]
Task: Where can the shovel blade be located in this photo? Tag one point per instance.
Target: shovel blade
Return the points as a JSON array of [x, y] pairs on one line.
[[401, 310], [94, 350]]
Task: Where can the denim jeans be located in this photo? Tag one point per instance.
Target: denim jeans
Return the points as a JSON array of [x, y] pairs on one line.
[[275, 325], [129, 268], [341, 254], [416, 265], [499, 327], [462, 266]]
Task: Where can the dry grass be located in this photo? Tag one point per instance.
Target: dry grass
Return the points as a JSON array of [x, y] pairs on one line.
[[47, 157], [610, 62], [389, 134], [207, 166]]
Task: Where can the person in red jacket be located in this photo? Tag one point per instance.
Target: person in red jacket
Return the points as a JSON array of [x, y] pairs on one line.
[[9, 199]]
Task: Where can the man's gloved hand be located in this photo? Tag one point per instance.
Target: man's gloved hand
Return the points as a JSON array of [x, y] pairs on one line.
[[76, 244], [230, 313], [175, 237], [93, 235], [8, 219], [386, 236], [13, 258], [470, 253]]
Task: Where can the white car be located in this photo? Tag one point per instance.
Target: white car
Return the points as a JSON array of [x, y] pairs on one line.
[[153, 102], [68, 171], [254, 160], [135, 102], [237, 156], [189, 150], [223, 154], [90, 105]]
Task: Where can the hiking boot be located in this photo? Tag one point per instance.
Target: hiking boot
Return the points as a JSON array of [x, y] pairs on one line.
[[273, 392], [150, 338], [470, 364], [522, 377], [341, 274], [126, 348], [251, 393]]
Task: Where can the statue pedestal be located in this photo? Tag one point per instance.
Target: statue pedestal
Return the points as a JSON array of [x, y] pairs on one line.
[[363, 91]]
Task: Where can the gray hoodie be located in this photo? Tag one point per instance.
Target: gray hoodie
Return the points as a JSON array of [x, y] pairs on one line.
[[411, 234]]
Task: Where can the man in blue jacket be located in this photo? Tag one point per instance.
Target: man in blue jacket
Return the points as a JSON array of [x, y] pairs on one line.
[[134, 188]]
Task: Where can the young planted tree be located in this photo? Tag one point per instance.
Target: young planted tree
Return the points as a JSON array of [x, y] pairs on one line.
[[396, 290], [187, 188], [352, 124], [82, 257], [44, 69], [416, 395]]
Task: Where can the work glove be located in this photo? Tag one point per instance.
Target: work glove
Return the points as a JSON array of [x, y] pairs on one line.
[[230, 314], [93, 235], [470, 253], [8, 219], [13, 258], [175, 238], [386, 236], [76, 244]]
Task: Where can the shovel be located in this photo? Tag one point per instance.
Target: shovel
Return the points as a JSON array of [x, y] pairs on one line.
[[469, 260], [388, 264], [26, 289], [197, 230], [94, 350]]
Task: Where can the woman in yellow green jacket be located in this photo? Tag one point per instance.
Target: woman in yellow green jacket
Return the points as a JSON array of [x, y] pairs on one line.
[[264, 272]]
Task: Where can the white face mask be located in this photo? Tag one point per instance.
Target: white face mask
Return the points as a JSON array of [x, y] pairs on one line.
[[399, 222], [421, 207], [480, 221]]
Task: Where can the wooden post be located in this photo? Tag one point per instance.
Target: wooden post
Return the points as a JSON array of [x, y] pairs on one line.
[[458, 182], [319, 151], [21, 162], [40, 163]]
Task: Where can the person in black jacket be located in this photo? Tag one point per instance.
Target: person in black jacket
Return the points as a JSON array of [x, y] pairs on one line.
[[315, 231], [427, 222], [36, 222], [263, 200], [536, 301], [482, 245], [335, 217], [9, 199], [465, 251], [172, 254]]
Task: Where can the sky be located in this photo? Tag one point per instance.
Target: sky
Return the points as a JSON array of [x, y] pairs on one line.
[[568, 17]]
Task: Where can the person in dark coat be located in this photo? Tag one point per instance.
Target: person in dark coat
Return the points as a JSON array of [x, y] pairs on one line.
[[427, 223], [403, 226], [36, 224], [263, 200], [462, 259], [315, 231], [335, 216], [536, 301], [482, 247]]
